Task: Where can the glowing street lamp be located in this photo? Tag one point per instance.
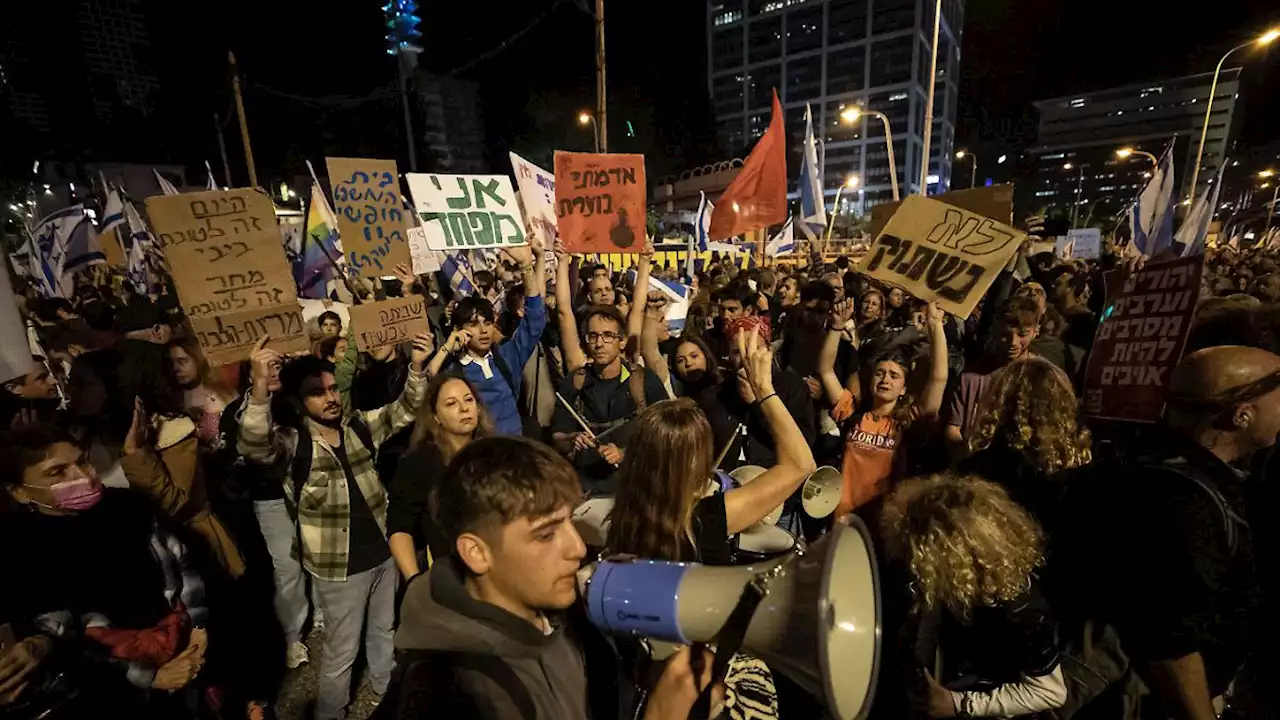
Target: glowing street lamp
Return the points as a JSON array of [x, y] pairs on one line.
[[1126, 152], [585, 118], [851, 115], [850, 182], [973, 159]]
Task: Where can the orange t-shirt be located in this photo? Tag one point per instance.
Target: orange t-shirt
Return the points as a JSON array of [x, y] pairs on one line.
[[870, 453]]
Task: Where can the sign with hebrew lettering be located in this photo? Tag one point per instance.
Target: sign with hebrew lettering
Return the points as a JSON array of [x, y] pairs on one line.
[[388, 322], [942, 253], [1140, 339], [1086, 243], [229, 337], [537, 188], [995, 202], [467, 212], [423, 257], [600, 202], [223, 250], [370, 212]]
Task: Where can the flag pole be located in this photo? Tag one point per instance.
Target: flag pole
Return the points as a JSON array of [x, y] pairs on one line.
[[355, 298], [244, 126]]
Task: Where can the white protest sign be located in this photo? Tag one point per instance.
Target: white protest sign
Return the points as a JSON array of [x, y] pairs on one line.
[[424, 260], [1086, 243], [538, 198], [467, 212]]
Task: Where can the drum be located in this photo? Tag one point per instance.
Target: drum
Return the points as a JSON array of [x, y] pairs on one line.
[[591, 520], [762, 542]]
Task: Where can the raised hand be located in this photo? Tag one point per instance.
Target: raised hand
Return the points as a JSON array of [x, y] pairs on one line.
[[522, 255], [262, 361], [458, 340], [936, 314], [422, 347], [137, 435], [406, 277], [757, 364], [842, 313]]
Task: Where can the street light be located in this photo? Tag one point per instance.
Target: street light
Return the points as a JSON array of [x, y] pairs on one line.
[[851, 115], [850, 182], [1266, 173], [973, 158], [1265, 39], [1126, 152], [585, 118]]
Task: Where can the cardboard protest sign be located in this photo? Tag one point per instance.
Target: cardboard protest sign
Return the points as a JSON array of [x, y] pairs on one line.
[[600, 202], [1140, 340], [1086, 243], [995, 202], [223, 250], [465, 212], [368, 204], [388, 322], [537, 188], [229, 337], [423, 257], [939, 252]]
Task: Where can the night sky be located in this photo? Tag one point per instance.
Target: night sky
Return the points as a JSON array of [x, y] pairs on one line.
[[1013, 53]]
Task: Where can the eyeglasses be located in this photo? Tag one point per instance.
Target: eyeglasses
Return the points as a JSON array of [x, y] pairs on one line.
[[594, 337]]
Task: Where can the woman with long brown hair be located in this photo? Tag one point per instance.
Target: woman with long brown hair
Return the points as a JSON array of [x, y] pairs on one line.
[[660, 511], [449, 418], [206, 392], [1026, 431], [971, 556]]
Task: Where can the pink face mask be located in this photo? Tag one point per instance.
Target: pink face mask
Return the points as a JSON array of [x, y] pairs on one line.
[[76, 495]]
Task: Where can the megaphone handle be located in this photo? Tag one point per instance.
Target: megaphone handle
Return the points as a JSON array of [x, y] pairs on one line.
[[729, 641]]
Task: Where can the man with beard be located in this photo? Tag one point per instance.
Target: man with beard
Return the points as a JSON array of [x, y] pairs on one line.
[[341, 506], [30, 399], [606, 394]]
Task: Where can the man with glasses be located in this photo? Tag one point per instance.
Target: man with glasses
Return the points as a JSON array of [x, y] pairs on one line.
[[605, 395]]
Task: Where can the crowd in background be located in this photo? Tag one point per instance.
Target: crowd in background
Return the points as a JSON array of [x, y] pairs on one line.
[[173, 531]]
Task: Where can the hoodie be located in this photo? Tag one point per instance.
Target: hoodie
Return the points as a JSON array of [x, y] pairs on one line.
[[440, 619]]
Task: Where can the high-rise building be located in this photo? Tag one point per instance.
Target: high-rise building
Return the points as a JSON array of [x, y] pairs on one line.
[[1084, 131], [834, 55]]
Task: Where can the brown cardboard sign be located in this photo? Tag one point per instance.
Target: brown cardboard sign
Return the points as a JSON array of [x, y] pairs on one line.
[[370, 212], [388, 322]]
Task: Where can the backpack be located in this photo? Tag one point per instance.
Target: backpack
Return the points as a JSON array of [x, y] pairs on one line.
[[423, 684], [635, 386], [1100, 681]]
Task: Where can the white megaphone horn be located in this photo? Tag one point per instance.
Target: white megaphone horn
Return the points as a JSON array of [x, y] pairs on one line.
[[818, 621], [820, 495]]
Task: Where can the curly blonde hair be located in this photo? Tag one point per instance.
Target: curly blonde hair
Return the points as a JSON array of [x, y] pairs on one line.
[[1030, 405], [966, 543]]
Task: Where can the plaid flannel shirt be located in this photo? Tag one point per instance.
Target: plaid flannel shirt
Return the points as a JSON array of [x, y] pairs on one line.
[[324, 510]]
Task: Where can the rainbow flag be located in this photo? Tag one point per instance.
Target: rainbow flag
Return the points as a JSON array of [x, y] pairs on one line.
[[312, 270]]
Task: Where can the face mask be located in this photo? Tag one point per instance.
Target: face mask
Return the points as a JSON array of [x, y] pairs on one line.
[[76, 495]]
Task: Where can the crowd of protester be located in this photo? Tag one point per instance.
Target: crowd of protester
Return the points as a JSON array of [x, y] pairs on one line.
[[173, 531]]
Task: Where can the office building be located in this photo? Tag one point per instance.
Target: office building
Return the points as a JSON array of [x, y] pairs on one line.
[[450, 127], [1084, 131], [834, 55]]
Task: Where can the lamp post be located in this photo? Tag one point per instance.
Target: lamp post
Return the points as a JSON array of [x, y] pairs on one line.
[[927, 130], [851, 115], [850, 182], [973, 160], [1075, 205], [1125, 153], [587, 118], [1263, 39]]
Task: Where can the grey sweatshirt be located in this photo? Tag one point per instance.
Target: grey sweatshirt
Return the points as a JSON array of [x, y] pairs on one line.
[[438, 614]]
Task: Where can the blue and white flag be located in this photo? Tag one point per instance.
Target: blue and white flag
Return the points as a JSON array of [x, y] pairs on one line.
[[210, 184], [113, 213], [813, 207], [1195, 228], [702, 231], [453, 266], [62, 243], [139, 258], [784, 242], [1151, 217], [166, 187]]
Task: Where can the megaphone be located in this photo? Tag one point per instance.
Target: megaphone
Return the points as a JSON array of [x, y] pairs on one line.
[[818, 622], [820, 494]]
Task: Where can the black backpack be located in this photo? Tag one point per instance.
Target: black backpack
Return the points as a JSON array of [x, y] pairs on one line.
[[423, 685], [300, 466]]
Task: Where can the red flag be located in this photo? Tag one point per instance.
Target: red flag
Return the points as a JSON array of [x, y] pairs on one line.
[[757, 197]]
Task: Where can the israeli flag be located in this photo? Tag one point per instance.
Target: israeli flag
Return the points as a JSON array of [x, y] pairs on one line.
[[702, 231], [813, 207], [166, 187], [210, 183], [61, 244], [784, 242], [1195, 228], [1151, 217], [454, 268], [113, 213]]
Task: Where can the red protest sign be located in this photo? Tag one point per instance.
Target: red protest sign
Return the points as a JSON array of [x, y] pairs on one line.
[[1140, 340], [600, 202]]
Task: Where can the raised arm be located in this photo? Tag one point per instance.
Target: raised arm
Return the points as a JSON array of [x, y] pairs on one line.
[[389, 419], [574, 357], [747, 505], [841, 314], [650, 351], [258, 440], [931, 398], [640, 293]]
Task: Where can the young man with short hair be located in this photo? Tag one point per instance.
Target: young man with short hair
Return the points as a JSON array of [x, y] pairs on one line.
[[495, 369], [341, 506], [330, 324], [1016, 325], [495, 631]]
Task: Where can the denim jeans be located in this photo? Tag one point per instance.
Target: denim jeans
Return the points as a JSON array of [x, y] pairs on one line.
[[291, 588], [364, 606]]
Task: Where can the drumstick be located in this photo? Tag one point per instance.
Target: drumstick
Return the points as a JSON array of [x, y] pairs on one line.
[[725, 451], [575, 415]]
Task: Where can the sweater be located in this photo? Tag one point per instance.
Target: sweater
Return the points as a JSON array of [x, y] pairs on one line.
[[500, 398]]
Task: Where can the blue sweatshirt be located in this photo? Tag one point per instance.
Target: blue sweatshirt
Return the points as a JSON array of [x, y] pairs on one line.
[[495, 393]]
